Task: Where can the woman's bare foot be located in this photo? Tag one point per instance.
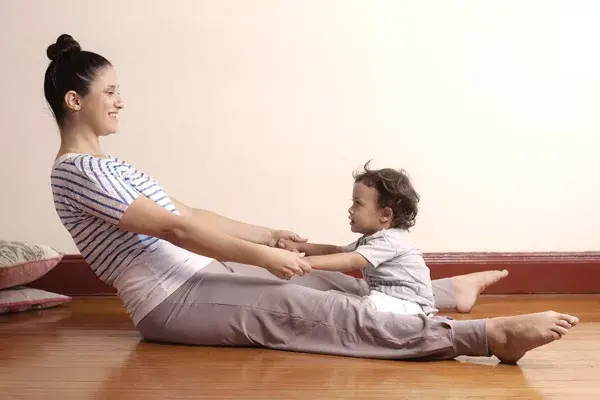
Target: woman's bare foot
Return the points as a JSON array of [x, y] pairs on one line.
[[509, 338], [468, 287]]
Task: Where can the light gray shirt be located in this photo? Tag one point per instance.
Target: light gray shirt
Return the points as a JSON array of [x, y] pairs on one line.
[[396, 267]]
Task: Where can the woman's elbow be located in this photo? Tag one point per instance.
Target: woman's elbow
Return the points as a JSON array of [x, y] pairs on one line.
[[175, 234]]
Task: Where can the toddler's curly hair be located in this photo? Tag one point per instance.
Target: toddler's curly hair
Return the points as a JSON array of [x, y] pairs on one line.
[[394, 190]]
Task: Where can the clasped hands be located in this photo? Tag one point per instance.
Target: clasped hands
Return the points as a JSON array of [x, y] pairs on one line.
[[281, 260]]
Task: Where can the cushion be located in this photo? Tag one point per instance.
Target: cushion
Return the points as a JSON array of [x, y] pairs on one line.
[[22, 263], [21, 298]]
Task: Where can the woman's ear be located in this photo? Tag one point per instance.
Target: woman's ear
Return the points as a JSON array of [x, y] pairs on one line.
[[73, 101]]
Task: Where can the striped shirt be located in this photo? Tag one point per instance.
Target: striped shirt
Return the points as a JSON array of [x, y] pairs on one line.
[[90, 196]]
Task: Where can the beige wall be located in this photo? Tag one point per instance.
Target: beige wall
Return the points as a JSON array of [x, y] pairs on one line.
[[262, 109]]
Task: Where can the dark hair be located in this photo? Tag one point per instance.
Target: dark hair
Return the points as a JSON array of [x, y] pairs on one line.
[[394, 190], [70, 69]]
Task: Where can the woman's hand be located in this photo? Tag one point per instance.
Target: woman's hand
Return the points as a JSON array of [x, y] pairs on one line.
[[277, 235], [284, 264]]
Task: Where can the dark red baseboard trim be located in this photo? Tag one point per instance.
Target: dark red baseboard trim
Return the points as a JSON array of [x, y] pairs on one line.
[[529, 273]]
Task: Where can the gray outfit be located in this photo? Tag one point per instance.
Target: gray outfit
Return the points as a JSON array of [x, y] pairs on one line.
[[228, 304], [397, 267]]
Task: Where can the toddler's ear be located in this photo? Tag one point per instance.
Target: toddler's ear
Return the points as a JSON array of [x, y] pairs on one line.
[[387, 214]]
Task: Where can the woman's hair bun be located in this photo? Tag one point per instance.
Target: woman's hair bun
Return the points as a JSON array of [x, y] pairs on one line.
[[65, 44]]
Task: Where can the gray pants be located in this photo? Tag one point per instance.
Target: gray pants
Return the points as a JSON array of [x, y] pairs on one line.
[[228, 304]]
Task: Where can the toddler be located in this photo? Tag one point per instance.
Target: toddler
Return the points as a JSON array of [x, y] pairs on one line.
[[384, 207]]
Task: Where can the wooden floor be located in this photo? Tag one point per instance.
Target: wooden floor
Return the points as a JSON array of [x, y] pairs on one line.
[[88, 350]]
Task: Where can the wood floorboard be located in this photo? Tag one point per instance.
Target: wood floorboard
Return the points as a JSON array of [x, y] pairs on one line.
[[89, 350]]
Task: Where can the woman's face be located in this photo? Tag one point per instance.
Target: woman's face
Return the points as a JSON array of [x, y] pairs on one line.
[[99, 109]]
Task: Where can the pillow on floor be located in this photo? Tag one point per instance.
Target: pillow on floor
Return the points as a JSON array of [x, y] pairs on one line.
[[21, 298], [22, 263]]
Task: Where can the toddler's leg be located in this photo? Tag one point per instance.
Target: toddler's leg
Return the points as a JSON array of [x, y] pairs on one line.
[[384, 303], [462, 291], [443, 293], [458, 292]]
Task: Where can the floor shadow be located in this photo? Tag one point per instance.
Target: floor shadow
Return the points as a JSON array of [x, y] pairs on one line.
[[153, 371]]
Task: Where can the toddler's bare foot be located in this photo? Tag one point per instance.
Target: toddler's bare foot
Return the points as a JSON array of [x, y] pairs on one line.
[[509, 338], [468, 287]]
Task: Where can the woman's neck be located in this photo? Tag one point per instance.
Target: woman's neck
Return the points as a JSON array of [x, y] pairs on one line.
[[79, 140]]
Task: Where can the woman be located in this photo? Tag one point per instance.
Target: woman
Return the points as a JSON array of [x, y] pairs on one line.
[[161, 255]]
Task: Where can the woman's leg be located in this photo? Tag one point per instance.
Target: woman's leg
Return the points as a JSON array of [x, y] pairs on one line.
[[218, 307], [231, 309], [319, 280]]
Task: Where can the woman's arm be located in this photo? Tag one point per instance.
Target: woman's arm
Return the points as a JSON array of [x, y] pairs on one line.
[[207, 237], [341, 262], [251, 233]]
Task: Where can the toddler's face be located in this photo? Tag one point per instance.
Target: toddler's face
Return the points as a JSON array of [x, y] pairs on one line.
[[365, 215]]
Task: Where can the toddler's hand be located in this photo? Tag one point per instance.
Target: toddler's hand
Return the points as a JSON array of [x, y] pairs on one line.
[[277, 235], [289, 245], [284, 265]]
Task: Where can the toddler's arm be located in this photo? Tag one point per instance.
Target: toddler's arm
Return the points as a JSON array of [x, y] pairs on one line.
[[310, 249], [341, 262]]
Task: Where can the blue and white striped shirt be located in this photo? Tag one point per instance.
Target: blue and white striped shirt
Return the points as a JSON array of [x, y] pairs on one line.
[[90, 196]]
